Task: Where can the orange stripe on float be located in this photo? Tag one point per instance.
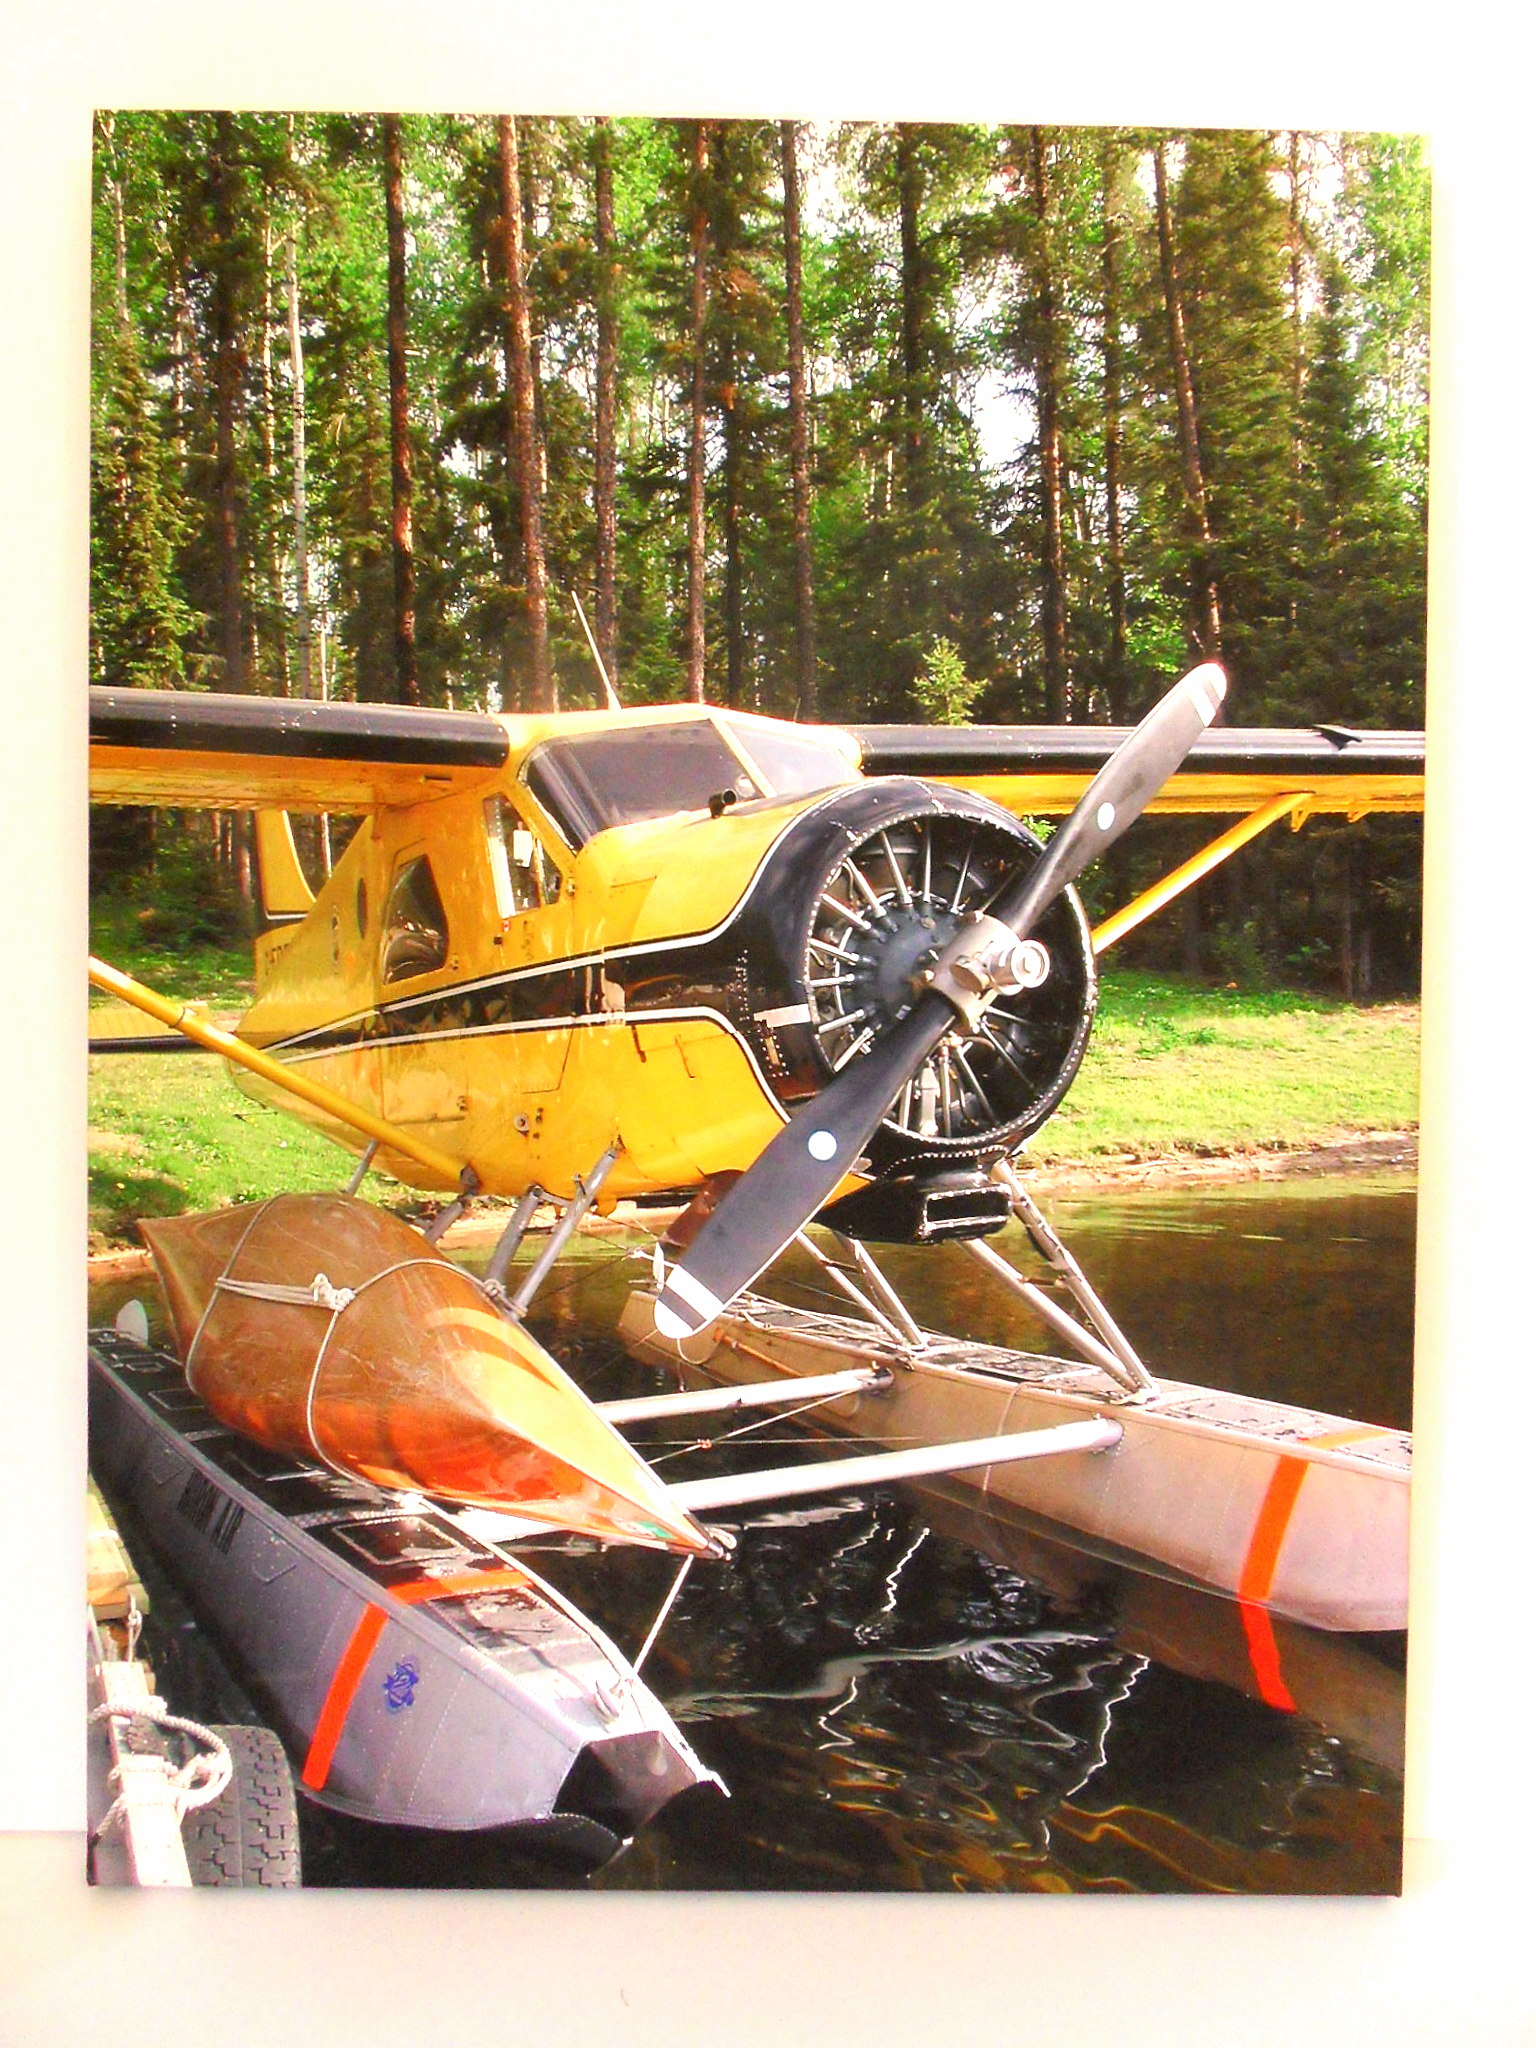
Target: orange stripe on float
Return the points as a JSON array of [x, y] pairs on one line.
[[338, 1700], [1264, 1546], [1278, 1505], [1264, 1656], [1332, 1439], [353, 1662], [416, 1590], [1269, 1529]]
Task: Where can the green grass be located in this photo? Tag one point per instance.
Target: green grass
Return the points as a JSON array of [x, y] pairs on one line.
[[123, 935], [169, 1133], [1172, 1067], [1176, 1067]]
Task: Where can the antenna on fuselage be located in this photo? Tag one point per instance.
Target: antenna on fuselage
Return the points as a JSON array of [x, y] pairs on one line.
[[613, 695]]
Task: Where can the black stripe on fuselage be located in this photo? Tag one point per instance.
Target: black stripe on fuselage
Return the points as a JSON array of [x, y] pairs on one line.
[[608, 988], [708, 974]]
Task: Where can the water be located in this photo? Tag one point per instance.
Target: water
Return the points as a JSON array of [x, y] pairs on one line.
[[904, 1695]]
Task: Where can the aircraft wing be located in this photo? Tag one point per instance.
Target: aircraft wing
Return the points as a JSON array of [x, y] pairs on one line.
[[197, 750], [1042, 770]]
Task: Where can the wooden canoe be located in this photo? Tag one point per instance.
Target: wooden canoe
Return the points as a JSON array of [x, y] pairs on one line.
[[322, 1327]]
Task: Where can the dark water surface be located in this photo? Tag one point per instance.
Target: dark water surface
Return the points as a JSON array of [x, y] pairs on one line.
[[903, 1694]]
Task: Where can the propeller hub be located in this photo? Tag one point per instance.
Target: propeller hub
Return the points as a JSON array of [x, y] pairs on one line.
[[986, 958]]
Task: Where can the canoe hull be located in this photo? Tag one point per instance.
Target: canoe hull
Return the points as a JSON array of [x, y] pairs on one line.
[[323, 1328]]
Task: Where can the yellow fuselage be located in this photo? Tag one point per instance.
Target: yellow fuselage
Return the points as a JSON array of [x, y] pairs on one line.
[[475, 1052]]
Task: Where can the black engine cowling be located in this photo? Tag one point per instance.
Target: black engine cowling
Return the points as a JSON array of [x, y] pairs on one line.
[[857, 899]]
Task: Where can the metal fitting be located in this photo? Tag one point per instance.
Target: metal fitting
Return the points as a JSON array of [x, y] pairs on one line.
[[986, 958]]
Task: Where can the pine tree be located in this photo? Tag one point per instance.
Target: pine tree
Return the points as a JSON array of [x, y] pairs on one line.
[[139, 619]]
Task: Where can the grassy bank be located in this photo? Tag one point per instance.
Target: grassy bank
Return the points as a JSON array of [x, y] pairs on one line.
[[1175, 1067], [1172, 1068]]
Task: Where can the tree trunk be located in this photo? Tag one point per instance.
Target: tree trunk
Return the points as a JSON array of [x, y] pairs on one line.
[[277, 603], [1206, 604], [730, 425], [528, 172], [305, 655], [1119, 679], [106, 136], [698, 248], [400, 480], [1298, 354], [522, 450], [909, 186], [1053, 609], [807, 695], [605, 478], [183, 354], [228, 383]]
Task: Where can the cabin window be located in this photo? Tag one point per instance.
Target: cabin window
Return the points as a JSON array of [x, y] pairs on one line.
[[522, 873], [792, 760], [415, 929], [604, 779]]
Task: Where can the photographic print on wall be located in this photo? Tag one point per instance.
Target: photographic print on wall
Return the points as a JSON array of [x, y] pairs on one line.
[[770, 770]]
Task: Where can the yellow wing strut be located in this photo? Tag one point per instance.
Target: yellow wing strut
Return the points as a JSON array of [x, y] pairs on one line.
[[180, 1018], [1175, 883]]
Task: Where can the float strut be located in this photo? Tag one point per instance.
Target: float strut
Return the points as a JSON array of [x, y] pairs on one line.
[[469, 1187], [880, 1287], [510, 1239], [788, 1481], [561, 1235], [363, 1164], [839, 1278], [857, 1379], [1129, 1369]]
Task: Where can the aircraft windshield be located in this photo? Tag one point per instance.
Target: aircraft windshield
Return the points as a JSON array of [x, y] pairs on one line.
[[597, 780], [793, 761]]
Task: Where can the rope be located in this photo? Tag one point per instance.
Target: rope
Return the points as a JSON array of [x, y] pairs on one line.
[[200, 1779], [710, 1443], [321, 1293], [340, 1299], [213, 1292], [318, 1294]]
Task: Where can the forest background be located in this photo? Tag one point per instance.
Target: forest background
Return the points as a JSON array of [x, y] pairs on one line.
[[840, 421]]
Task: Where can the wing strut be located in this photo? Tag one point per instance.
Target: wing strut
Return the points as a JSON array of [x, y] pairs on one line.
[[1180, 878], [197, 1027]]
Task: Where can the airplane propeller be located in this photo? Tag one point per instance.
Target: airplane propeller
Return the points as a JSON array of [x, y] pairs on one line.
[[993, 954]]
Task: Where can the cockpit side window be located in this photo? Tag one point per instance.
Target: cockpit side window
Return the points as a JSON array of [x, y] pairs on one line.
[[792, 760], [415, 927], [522, 873]]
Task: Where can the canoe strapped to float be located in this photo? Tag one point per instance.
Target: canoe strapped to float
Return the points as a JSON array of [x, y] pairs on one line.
[[321, 1327]]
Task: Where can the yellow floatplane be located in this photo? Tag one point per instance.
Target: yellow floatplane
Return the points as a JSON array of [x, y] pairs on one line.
[[774, 975]]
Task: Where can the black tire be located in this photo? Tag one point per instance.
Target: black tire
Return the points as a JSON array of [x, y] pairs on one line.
[[249, 1835]]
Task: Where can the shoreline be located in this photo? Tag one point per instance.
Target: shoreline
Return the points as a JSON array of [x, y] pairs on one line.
[[1363, 1152]]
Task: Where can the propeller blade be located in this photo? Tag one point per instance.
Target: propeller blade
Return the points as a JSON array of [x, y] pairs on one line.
[[796, 1173], [1118, 794], [801, 1167]]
